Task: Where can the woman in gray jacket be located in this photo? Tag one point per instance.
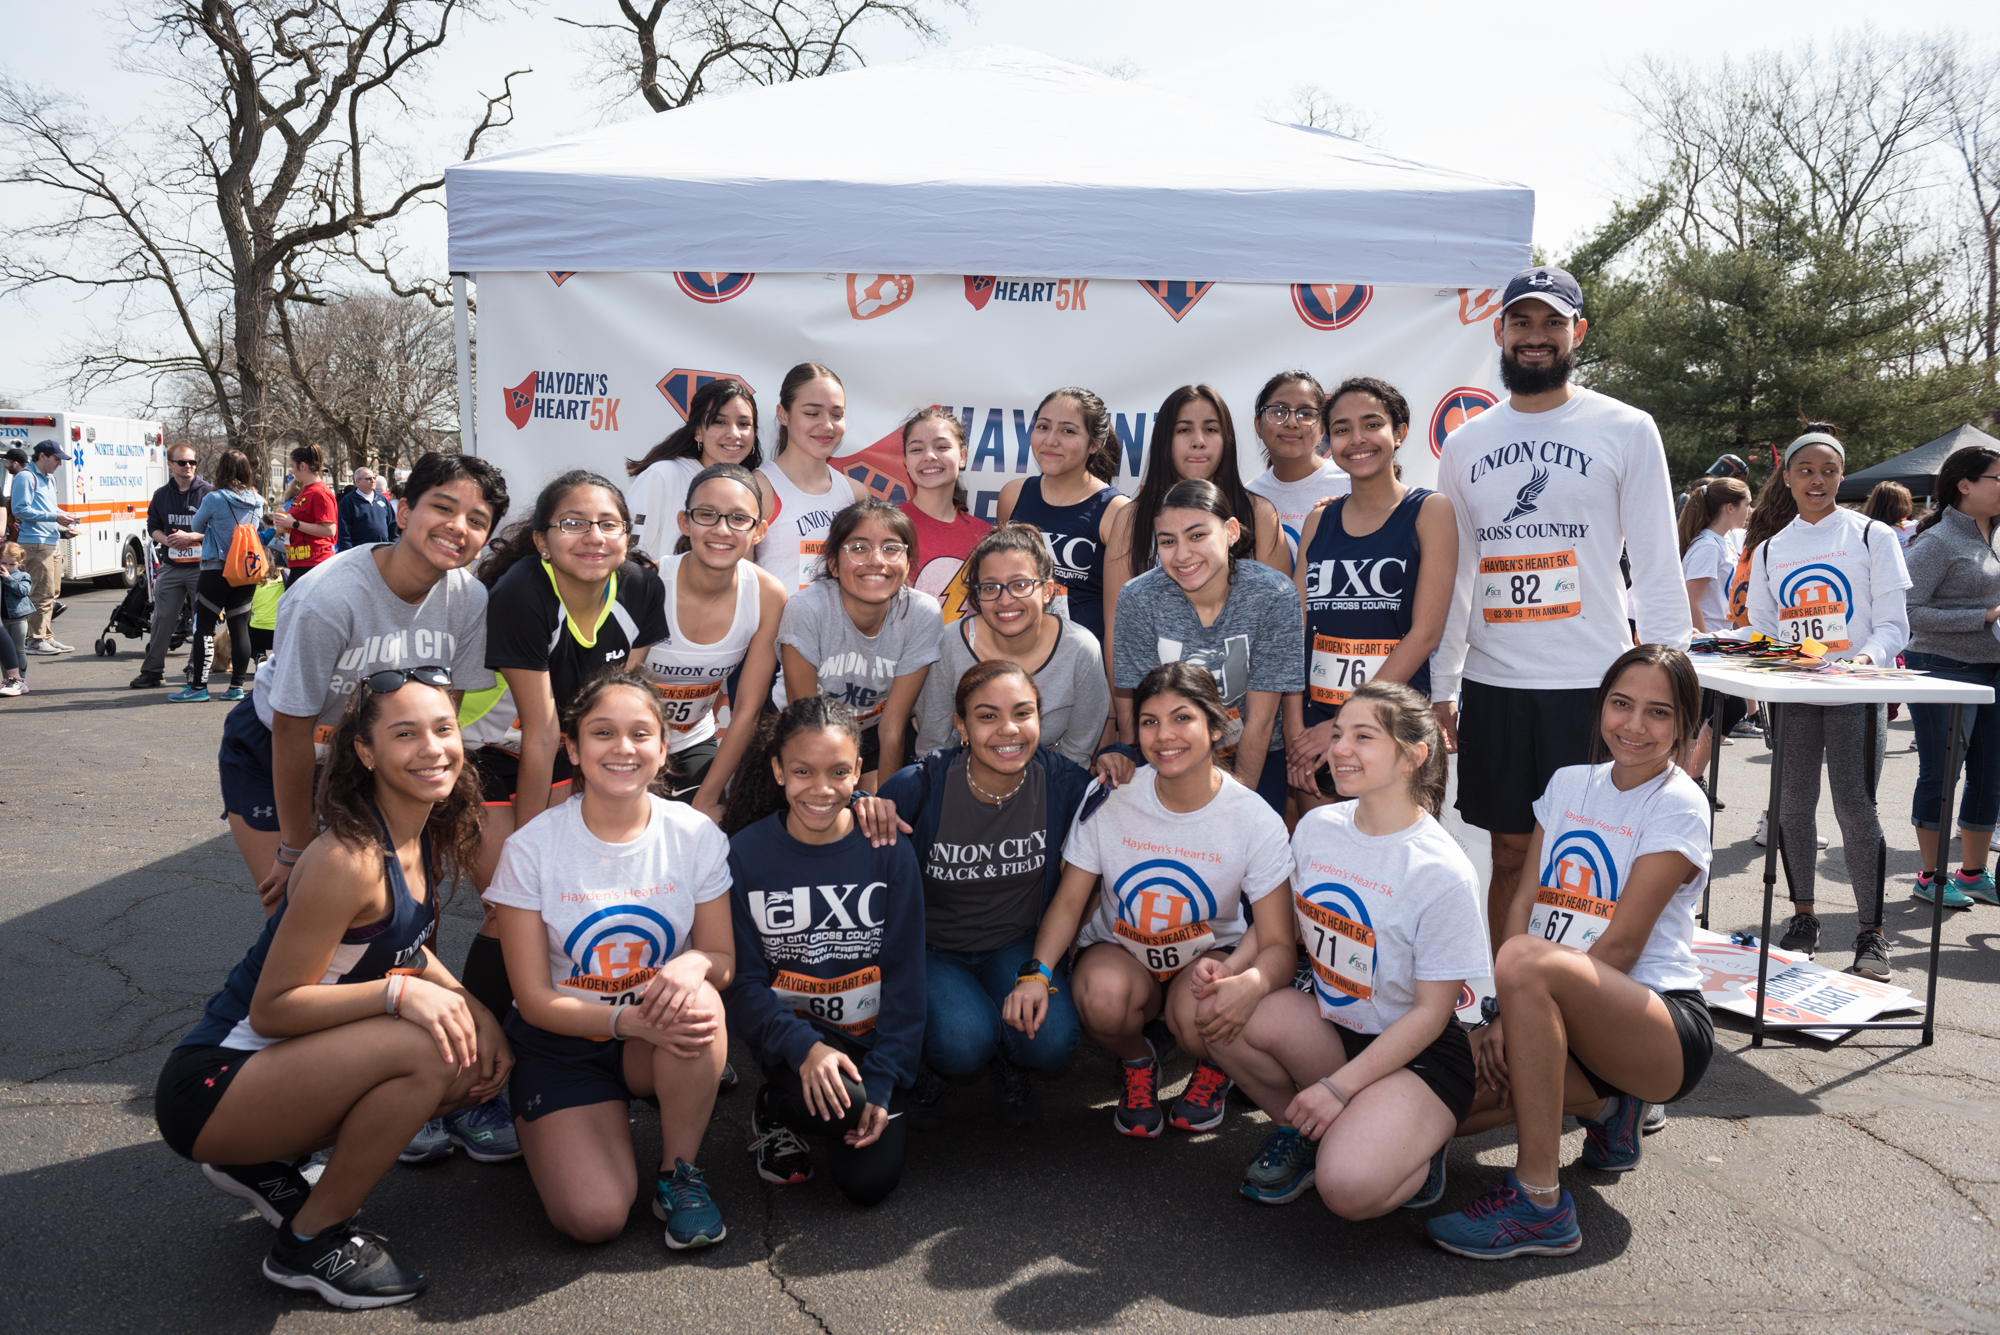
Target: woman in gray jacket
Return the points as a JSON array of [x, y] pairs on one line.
[[1954, 601]]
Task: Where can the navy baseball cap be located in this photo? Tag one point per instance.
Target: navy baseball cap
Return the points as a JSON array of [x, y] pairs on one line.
[[1545, 283], [48, 447]]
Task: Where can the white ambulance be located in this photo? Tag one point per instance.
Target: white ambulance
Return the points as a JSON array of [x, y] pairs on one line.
[[111, 468]]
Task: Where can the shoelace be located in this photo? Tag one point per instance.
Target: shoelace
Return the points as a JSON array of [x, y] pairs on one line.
[[1497, 1197], [687, 1187], [1277, 1148], [1207, 1081], [782, 1140], [1139, 1082]]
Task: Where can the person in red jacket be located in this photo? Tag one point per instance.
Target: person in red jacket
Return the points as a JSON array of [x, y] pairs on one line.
[[313, 515]]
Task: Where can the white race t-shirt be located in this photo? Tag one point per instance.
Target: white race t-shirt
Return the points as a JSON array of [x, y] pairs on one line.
[[1382, 913], [657, 496], [1839, 581], [1175, 881], [1295, 500], [1591, 836], [615, 912], [1709, 557]]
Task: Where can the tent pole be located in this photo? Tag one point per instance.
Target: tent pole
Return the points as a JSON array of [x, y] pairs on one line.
[[468, 435]]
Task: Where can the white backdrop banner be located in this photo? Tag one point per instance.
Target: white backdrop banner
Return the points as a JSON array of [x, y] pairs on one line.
[[590, 369]]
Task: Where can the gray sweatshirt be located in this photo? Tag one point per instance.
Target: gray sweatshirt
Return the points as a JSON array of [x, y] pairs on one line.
[[1076, 697], [1955, 577]]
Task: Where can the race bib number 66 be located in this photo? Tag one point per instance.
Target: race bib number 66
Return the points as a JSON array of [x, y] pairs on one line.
[[1546, 586]]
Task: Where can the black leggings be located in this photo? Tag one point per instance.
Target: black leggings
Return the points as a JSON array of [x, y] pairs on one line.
[[216, 601], [865, 1176]]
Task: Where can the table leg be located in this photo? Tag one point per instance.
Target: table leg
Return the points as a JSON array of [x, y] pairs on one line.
[[1774, 715], [1714, 778], [1942, 861]]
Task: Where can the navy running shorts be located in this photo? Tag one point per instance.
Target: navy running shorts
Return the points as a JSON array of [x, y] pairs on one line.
[[1695, 1028], [557, 1071], [1446, 1065], [244, 763], [191, 1086], [1510, 743]]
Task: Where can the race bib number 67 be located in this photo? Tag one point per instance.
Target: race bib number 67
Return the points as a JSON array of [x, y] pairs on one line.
[[1570, 919], [1546, 586]]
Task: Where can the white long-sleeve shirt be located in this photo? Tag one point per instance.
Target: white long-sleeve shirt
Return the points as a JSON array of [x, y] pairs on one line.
[[1546, 502], [1839, 581]]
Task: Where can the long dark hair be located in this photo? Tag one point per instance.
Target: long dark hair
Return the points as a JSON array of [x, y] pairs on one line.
[[1775, 508], [1681, 681], [706, 405], [517, 543], [755, 792], [935, 413], [1962, 466], [795, 380], [736, 473], [1161, 477], [1102, 461], [1409, 720], [1194, 684], [585, 700], [345, 799]]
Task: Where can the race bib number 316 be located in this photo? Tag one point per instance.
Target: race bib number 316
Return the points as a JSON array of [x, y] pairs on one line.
[[1546, 586]]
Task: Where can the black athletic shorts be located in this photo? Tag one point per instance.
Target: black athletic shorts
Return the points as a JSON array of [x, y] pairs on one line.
[[498, 770], [191, 1085], [1446, 1065], [690, 767], [1509, 744], [1695, 1028], [557, 1071]]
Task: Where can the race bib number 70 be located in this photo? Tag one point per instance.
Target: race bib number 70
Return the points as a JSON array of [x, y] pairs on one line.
[[1547, 586]]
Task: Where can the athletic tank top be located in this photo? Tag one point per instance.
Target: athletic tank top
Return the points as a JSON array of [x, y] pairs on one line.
[[794, 546], [693, 678], [1071, 531], [365, 954], [1360, 596]]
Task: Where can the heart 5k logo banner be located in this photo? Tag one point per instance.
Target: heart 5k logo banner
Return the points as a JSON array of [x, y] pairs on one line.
[[598, 368]]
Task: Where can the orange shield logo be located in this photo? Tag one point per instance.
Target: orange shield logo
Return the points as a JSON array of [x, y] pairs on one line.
[[879, 294]]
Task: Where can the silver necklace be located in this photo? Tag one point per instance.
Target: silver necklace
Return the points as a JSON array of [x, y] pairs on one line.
[[990, 798]]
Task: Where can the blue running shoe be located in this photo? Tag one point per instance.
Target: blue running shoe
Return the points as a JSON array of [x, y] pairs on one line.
[[1954, 898], [1505, 1223], [485, 1131], [1433, 1187], [1612, 1144], [1979, 888], [189, 695], [233, 693], [689, 1211], [430, 1143], [1283, 1170]]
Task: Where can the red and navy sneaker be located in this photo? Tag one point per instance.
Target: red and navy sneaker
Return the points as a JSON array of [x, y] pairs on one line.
[[1612, 1143], [1504, 1223], [1202, 1105], [1138, 1112]]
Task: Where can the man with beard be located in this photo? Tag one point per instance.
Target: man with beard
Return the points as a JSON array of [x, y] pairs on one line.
[[1549, 488]]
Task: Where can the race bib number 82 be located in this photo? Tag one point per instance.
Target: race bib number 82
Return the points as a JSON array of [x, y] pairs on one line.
[[1546, 586]]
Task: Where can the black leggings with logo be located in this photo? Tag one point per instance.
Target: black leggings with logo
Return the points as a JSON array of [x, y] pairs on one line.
[[216, 601]]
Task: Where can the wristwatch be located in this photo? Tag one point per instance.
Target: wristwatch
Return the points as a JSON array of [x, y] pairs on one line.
[[1034, 968], [1489, 1011]]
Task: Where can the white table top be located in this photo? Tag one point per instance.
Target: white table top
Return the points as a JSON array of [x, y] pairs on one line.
[[1834, 690]]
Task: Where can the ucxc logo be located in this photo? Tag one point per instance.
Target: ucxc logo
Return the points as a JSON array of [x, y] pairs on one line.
[[1357, 579], [849, 907], [712, 289], [1454, 410], [1330, 305], [1064, 294], [1176, 296], [680, 385], [879, 294], [563, 396]]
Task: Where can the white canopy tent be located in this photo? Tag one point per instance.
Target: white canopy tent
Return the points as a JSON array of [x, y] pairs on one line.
[[997, 161]]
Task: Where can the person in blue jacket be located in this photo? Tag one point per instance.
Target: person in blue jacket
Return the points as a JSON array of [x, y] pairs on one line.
[[367, 514], [988, 818], [829, 989]]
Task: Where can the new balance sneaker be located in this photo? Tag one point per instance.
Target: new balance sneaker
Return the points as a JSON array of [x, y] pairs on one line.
[[1283, 1169], [1954, 898], [925, 1096], [1018, 1105], [1138, 1111], [345, 1265], [691, 1216], [187, 695], [1612, 1143], [1979, 888], [1433, 1188], [1871, 956], [313, 1166], [1202, 1105], [430, 1142], [1764, 836], [485, 1131], [782, 1157], [1654, 1120], [1504, 1223], [274, 1190], [1801, 935]]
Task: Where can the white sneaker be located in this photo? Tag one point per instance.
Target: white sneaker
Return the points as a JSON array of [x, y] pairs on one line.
[[60, 647], [45, 647], [14, 687], [1763, 840]]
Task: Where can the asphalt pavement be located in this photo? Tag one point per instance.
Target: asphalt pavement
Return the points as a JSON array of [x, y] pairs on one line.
[[1802, 1187]]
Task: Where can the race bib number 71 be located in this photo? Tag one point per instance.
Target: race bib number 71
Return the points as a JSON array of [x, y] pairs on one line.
[[1546, 586]]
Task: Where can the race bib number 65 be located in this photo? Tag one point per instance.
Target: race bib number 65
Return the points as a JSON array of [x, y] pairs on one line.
[[1546, 586]]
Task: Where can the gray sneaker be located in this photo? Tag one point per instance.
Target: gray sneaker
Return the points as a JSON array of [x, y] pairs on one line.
[[1801, 935], [430, 1142], [1283, 1170], [1871, 956], [1654, 1120]]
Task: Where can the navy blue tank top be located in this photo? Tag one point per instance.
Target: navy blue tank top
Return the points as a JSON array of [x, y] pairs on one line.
[[1071, 533], [1360, 596], [364, 955]]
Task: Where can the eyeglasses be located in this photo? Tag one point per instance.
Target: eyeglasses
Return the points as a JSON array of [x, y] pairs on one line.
[[610, 528], [990, 590], [1277, 414], [703, 516], [390, 680], [1987, 477], [861, 551], [181, 463]]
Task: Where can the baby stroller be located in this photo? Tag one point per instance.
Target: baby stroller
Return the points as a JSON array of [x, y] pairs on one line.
[[133, 617]]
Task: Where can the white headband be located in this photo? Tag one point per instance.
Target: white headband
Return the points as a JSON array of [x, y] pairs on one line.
[[1814, 438]]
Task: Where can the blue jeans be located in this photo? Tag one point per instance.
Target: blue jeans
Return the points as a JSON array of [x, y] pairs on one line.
[[963, 1030], [1979, 805]]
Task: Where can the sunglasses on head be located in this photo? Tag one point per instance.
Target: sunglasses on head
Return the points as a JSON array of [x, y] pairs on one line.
[[394, 679]]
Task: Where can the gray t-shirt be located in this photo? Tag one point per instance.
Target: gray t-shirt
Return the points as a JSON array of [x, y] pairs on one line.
[[1075, 697], [984, 875], [1258, 642], [340, 623], [853, 668]]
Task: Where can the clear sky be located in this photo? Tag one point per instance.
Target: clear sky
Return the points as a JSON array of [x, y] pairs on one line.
[[1524, 93]]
